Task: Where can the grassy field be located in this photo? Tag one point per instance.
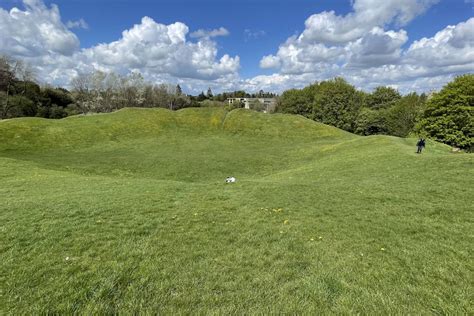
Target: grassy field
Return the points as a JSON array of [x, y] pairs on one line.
[[128, 212]]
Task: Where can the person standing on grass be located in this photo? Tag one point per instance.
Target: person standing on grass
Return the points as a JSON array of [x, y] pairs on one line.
[[420, 145]]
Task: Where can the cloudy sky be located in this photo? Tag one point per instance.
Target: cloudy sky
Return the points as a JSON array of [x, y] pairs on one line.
[[274, 45]]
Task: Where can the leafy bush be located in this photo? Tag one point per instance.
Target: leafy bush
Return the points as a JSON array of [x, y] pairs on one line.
[[17, 106], [257, 106]]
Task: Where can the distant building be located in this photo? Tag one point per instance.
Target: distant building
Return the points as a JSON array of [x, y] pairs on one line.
[[268, 103]]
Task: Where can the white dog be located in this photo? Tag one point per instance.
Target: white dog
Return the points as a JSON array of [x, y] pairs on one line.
[[230, 180]]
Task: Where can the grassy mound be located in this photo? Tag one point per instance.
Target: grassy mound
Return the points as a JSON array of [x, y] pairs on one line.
[[128, 212], [131, 123]]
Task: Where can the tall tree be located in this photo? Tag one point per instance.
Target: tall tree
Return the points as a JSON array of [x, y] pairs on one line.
[[448, 117], [82, 87], [178, 90], [201, 97], [382, 98], [337, 103], [402, 117], [209, 93], [11, 71], [371, 122], [296, 101]]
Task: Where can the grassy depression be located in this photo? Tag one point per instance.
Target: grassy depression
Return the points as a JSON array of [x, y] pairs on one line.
[[128, 212]]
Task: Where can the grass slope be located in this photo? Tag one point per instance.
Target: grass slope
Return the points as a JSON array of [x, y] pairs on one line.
[[127, 212]]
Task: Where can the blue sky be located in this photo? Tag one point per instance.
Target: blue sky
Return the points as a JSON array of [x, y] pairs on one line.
[[268, 22], [255, 29]]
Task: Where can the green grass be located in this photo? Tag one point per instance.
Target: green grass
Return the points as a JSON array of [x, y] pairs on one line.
[[128, 212]]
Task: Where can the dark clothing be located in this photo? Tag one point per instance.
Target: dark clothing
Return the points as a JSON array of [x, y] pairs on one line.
[[420, 145]]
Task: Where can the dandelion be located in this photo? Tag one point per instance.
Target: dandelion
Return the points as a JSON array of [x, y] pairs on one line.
[[281, 232], [67, 258], [286, 222], [383, 249], [195, 214], [312, 239], [320, 237]]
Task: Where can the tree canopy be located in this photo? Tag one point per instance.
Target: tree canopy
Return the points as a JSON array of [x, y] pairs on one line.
[[448, 117], [333, 102]]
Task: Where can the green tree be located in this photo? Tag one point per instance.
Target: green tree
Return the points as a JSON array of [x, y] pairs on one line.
[[256, 105], [209, 94], [371, 122], [29, 89], [336, 103], [19, 94], [59, 96], [402, 117], [179, 101], [201, 97], [19, 106], [382, 98], [448, 117], [179, 91], [296, 101], [57, 112], [7, 79]]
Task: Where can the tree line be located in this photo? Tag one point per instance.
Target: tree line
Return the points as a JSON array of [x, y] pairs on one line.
[[21, 95], [445, 116], [107, 92]]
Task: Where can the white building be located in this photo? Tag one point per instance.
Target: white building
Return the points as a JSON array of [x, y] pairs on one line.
[[268, 103]]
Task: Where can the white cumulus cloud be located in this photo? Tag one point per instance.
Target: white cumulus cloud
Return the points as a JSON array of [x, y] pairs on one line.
[[222, 31], [327, 27], [163, 49], [377, 48], [161, 52], [36, 31], [452, 46], [367, 46], [270, 61], [358, 47]]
